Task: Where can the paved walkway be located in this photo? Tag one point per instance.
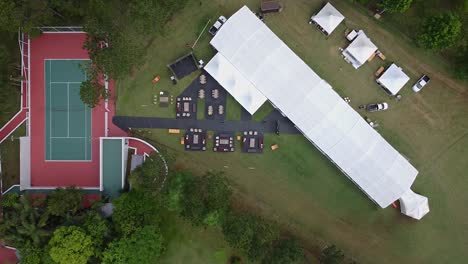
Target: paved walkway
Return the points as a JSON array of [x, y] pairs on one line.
[[267, 126]]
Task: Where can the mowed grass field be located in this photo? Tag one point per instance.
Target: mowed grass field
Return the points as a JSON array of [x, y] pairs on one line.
[[296, 185]]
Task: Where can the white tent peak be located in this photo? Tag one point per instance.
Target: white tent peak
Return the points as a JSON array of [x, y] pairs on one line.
[[414, 205], [328, 18], [360, 50], [393, 79]]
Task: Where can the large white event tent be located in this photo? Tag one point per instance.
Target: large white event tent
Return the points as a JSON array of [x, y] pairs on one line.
[[393, 79], [360, 50], [234, 82], [261, 58], [328, 18]]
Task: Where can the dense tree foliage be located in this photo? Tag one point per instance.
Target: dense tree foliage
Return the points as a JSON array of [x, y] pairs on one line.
[[92, 91], [64, 202], [59, 230], [331, 255], [98, 229], [133, 210], [395, 6], [150, 176], [440, 31], [22, 223], [288, 250], [145, 245], [71, 245], [178, 182], [206, 200]]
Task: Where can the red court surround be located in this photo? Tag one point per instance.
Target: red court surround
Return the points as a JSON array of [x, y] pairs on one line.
[[54, 174]]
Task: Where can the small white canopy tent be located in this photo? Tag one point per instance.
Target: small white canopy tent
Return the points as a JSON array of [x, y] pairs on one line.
[[235, 83], [414, 205], [393, 79], [360, 50], [328, 18]]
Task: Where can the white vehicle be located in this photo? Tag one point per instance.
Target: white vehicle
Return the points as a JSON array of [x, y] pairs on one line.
[[421, 83], [217, 25], [376, 107]]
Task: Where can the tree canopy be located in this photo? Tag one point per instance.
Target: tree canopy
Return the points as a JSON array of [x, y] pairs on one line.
[[145, 245], [64, 202], [150, 176], [331, 255], [22, 223], [440, 31], [71, 245], [134, 210], [395, 6], [206, 200], [285, 251]]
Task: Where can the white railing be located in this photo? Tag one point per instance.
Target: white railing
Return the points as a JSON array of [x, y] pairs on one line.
[[61, 29]]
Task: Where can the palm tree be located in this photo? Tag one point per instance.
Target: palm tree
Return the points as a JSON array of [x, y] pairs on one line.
[[29, 223]]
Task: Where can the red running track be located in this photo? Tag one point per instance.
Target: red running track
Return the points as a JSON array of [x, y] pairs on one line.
[[57, 174]]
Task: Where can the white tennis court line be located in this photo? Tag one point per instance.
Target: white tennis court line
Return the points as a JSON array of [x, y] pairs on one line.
[[50, 110], [69, 137], [65, 82], [68, 109], [68, 112]]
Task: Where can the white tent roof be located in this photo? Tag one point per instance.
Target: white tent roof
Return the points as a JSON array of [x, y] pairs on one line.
[[314, 107], [360, 50], [328, 18], [235, 83], [393, 79], [414, 205]]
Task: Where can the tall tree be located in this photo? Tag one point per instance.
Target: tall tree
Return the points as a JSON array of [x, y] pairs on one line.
[[143, 246], [92, 91], [285, 251], [207, 200], [395, 6], [440, 31], [134, 210], [174, 191], [150, 176], [24, 223], [239, 230], [331, 255], [71, 245], [98, 229], [10, 16], [65, 202]]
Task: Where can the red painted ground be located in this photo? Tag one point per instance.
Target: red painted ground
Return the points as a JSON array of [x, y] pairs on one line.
[[7, 255], [141, 147], [12, 124], [46, 173]]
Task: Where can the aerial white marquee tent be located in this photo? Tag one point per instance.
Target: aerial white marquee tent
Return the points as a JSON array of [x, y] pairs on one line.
[[234, 82], [414, 205], [393, 79], [360, 50], [328, 18], [313, 106]]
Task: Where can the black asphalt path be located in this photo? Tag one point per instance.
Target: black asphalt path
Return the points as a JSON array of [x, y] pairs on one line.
[[267, 126]]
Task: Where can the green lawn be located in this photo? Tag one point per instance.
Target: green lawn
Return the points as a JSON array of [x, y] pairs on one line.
[[262, 112], [233, 109], [195, 245], [10, 152], [296, 184]]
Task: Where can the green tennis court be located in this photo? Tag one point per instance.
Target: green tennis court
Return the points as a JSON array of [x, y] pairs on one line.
[[67, 119]]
